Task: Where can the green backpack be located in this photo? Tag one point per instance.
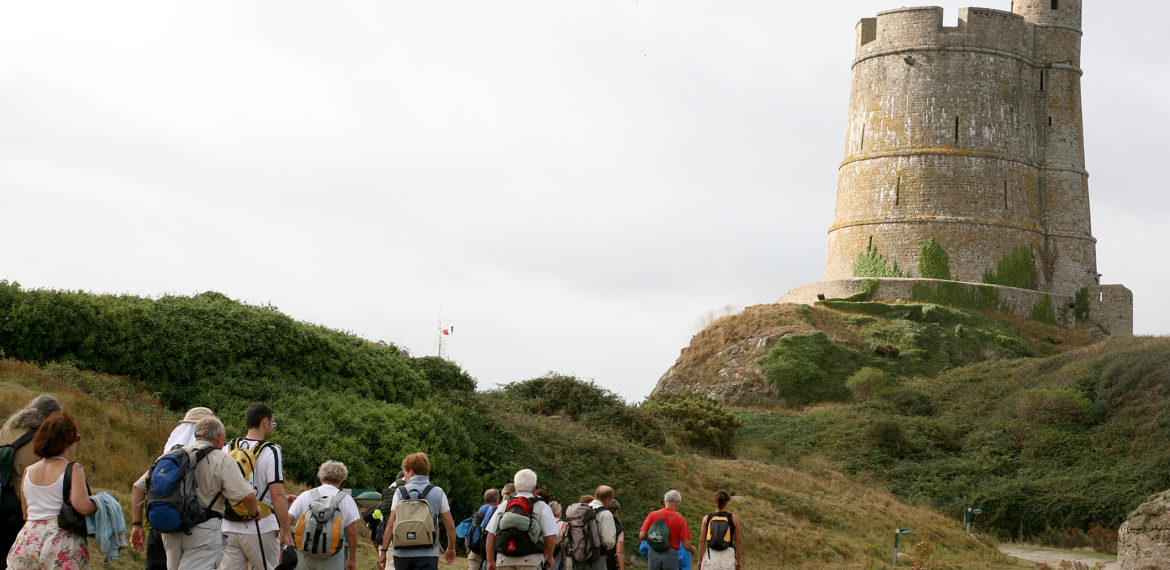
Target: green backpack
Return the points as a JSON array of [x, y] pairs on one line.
[[8, 498], [659, 534]]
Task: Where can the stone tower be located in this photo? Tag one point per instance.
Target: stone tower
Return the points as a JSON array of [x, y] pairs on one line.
[[971, 135]]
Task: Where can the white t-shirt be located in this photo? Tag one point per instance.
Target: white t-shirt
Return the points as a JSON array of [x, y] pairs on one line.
[[548, 527], [269, 470], [349, 508]]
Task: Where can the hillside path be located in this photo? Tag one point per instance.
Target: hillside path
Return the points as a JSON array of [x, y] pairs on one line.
[[1051, 557]]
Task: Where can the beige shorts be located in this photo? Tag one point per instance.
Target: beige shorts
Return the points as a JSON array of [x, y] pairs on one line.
[[719, 559]]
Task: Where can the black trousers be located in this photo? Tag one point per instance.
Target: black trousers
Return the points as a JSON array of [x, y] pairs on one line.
[[156, 555]]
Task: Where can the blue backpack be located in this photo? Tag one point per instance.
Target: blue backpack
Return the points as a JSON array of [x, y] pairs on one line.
[[171, 505]]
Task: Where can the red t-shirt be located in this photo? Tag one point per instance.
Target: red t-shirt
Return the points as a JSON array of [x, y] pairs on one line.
[[677, 524]]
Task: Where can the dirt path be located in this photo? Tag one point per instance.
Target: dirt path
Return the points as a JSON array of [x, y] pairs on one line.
[[1052, 557]]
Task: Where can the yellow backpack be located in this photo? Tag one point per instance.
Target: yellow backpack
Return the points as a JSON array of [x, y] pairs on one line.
[[246, 459]]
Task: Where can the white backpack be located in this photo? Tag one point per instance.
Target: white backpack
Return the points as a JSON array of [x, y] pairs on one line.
[[318, 532]]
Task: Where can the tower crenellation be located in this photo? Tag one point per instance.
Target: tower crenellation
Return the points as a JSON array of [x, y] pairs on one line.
[[972, 136]]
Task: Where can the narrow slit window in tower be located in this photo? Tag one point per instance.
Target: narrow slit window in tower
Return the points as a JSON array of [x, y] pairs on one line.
[[1054, 5], [1042, 72], [870, 242], [898, 192], [1050, 120], [862, 137], [1005, 203], [956, 130]]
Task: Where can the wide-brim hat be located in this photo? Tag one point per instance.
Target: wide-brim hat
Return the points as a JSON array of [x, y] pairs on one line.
[[195, 414]]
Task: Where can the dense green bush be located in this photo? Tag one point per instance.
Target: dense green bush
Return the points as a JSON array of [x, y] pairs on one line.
[[870, 263], [1081, 304], [866, 382], [809, 368], [1043, 311], [933, 261], [697, 420], [1016, 269], [558, 395]]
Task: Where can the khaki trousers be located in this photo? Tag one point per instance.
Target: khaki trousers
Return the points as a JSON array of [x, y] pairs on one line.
[[243, 550], [200, 550]]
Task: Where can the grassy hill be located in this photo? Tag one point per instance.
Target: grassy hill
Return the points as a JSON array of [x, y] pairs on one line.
[[807, 517], [1056, 438], [338, 396]]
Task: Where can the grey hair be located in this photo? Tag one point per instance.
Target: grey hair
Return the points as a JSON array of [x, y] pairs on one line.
[[34, 414], [333, 472], [672, 497], [525, 480], [209, 429]]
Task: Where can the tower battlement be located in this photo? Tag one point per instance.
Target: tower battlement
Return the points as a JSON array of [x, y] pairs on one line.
[[912, 29]]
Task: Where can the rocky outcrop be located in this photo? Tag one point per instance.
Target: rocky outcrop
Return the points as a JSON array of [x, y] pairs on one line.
[[722, 361], [1143, 542]]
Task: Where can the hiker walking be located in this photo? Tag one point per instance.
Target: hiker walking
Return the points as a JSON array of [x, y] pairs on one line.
[[520, 533], [42, 544], [256, 543], [324, 522], [214, 481], [413, 523], [476, 540], [666, 532], [719, 533], [558, 552], [615, 558], [591, 531], [182, 435], [16, 454]]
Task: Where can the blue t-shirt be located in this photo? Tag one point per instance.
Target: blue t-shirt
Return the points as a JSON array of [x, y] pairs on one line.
[[438, 501]]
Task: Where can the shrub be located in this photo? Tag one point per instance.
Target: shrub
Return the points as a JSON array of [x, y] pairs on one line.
[[559, 395], [1081, 304], [870, 263], [1017, 269], [866, 382], [908, 401], [933, 261], [1054, 406], [809, 368], [1044, 311], [701, 422]]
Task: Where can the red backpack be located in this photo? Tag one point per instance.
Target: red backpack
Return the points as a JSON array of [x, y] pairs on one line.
[[518, 533]]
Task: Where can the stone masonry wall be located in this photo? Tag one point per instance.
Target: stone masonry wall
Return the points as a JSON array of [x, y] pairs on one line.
[[971, 135]]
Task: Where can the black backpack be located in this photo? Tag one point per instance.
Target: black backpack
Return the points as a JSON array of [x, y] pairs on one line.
[[720, 531], [8, 499], [611, 561], [477, 536]]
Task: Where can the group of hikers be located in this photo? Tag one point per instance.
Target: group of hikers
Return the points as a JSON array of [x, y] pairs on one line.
[[210, 502]]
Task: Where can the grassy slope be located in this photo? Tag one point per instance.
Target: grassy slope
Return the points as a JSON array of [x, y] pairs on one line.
[[805, 518], [1042, 445]]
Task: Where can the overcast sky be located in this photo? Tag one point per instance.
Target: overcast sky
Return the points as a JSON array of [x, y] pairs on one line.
[[575, 185]]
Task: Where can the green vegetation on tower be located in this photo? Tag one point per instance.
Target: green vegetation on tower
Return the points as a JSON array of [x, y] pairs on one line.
[[933, 261], [870, 263]]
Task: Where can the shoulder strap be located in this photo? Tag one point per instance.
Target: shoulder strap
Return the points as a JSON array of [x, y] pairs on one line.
[[426, 492], [68, 483], [24, 439], [404, 493]]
